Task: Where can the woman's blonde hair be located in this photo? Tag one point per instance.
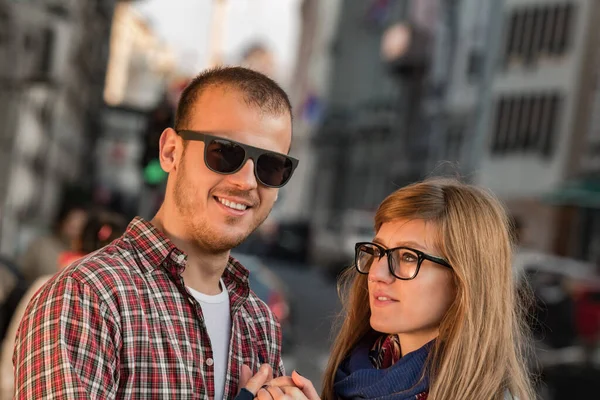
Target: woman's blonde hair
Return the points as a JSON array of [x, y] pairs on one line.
[[483, 346]]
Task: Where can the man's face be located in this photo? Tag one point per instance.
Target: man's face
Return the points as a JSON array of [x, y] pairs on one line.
[[203, 198]]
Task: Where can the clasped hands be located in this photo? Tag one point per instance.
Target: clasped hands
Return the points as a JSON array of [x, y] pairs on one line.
[[262, 386]]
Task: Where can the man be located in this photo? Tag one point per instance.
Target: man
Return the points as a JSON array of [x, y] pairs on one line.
[[164, 312]]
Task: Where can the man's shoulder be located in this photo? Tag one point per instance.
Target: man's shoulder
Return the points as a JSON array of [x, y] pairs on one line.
[[260, 311], [107, 271], [117, 256], [254, 305], [101, 278]]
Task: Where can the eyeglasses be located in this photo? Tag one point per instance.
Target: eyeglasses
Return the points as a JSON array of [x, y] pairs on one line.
[[404, 263], [225, 156]]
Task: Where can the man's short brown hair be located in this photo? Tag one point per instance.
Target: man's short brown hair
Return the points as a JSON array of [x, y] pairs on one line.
[[258, 90]]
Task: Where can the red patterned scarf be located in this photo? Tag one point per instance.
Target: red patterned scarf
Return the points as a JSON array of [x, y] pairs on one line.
[[385, 352]]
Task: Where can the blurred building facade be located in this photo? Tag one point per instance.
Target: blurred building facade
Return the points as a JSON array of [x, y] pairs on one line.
[[308, 93], [535, 125], [463, 32], [140, 64], [509, 98], [370, 137], [53, 57], [140, 69]]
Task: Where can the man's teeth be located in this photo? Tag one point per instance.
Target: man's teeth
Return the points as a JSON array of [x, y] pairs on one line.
[[235, 206]]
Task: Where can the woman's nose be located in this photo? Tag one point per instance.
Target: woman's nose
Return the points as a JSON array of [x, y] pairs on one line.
[[380, 271]]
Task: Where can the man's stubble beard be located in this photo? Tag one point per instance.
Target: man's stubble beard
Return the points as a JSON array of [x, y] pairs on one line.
[[200, 231]]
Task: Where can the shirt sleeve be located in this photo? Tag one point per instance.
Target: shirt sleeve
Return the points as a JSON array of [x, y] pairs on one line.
[[8, 344], [67, 345]]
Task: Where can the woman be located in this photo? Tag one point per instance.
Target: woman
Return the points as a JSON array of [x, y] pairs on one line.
[[432, 311]]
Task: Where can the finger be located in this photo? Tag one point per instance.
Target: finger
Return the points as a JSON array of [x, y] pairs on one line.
[[245, 375], [305, 385], [264, 394], [282, 381], [271, 372], [263, 375], [294, 393], [276, 393]]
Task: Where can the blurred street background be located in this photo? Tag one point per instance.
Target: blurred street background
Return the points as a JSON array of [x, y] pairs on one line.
[[503, 93]]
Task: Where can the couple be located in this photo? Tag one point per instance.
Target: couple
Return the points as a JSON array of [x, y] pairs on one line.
[[165, 312]]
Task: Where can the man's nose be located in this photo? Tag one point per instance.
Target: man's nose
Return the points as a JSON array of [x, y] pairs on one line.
[[244, 179]]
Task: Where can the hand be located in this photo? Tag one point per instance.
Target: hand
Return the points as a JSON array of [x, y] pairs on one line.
[[277, 393], [296, 386], [254, 383]]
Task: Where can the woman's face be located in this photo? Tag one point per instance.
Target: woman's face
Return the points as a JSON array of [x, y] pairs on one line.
[[412, 308]]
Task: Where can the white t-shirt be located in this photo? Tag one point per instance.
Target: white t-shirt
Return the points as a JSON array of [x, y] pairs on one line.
[[217, 318]]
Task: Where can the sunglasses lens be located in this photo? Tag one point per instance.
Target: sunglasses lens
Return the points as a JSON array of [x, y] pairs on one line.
[[274, 169], [224, 156]]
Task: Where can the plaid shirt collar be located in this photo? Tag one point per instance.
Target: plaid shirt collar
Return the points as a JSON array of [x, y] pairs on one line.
[[156, 250]]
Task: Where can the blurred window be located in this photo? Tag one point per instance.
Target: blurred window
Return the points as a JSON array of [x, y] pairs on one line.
[[47, 41], [4, 28], [454, 138], [475, 65], [534, 33], [526, 123]]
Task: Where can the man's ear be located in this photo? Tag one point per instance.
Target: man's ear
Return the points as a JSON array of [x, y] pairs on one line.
[[170, 148]]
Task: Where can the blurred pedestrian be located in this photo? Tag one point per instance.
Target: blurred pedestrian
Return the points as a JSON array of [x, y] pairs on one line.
[[587, 316], [432, 311], [555, 310], [41, 256], [101, 229], [164, 310], [12, 288], [258, 57]]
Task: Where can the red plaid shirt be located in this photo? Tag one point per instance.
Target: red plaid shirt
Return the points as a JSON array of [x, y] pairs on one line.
[[120, 323]]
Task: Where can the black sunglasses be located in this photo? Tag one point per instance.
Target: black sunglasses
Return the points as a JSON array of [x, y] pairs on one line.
[[403, 262], [226, 156]]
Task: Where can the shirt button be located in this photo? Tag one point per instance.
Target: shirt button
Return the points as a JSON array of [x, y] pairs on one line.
[[210, 362]]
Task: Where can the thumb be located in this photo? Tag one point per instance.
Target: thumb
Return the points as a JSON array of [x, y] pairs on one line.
[[305, 385], [254, 383]]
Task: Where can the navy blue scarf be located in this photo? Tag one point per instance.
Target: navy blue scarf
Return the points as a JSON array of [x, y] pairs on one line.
[[357, 378]]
